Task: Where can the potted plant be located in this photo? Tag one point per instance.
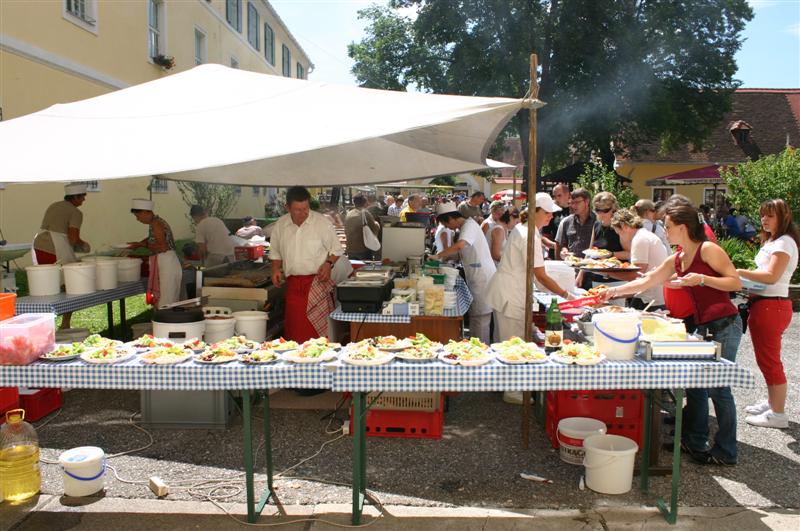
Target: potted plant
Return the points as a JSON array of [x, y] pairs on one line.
[[164, 61]]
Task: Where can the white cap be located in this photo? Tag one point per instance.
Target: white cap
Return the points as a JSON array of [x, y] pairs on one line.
[[75, 189], [142, 204], [546, 203], [444, 208]]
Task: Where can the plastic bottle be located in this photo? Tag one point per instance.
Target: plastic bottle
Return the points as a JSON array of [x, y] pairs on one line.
[[20, 477]]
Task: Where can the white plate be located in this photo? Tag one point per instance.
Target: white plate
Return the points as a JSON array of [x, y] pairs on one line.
[[400, 345], [590, 253], [385, 358], [254, 362], [328, 355], [167, 360], [573, 361], [60, 358], [466, 363], [215, 361], [399, 355], [519, 362], [128, 354]]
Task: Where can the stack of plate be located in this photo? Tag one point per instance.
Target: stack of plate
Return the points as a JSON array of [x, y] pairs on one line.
[[450, 299]]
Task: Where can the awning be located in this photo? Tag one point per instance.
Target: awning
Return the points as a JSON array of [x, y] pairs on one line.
[[221, 125], [704, 175]]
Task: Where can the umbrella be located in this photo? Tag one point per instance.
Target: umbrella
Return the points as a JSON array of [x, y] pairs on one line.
[[505, 195]]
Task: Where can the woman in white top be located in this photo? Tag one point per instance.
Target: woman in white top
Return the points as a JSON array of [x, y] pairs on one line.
[[498, 233], [646, 210], [647, 253], [442, 238], [771, 309]]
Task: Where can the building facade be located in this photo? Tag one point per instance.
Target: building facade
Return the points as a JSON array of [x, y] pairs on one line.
[[60, 51]]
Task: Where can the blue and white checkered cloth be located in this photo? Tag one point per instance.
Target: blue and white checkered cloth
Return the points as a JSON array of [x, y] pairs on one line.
[[187, 376], [463, 301], [402, 376], [63, 303]]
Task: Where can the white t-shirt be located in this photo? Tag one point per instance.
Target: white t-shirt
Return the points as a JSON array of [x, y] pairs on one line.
[[303, 248], [647, 248], [214, 233], [784, 244], [437, 237]]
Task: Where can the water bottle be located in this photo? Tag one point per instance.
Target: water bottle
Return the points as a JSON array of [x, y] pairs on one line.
[[20, 477]]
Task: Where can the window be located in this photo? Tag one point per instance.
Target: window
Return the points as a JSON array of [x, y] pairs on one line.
[[287, 60], [233, 14], [714, 197], [662, 194], [155, 25], [237, 191], [256, 190], [301, 72], [199, 46], [159, 186], [234, 62], [81, 9], [269, 44], [253, 24]]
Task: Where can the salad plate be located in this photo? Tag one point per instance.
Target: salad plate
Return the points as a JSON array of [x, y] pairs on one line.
[[107, 355], [366, 354], [166, 356], [577, 354], [65, 352], [260, 357]]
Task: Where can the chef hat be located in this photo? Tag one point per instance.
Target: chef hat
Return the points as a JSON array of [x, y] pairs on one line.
[[75, 189], [142, 204], [444, 208]]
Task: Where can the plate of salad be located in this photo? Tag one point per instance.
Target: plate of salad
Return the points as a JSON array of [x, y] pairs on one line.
[[65, 352], [313, 351], [577, 353], [260, 356], [239, 344], [391, 343], [216, 354], [467, 352], [108, 354], [166, 356], [280, 345], [98, 341], [364, 353], [516, 351]]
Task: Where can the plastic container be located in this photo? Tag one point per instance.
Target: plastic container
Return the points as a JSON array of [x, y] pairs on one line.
[[562, 273], [20, 477], [107, 275], [571, 434], [9, 399], [252, 324], [219, 328], [80, 278], [38, 403], [26, 337], [609, 463], [406, 416], [83, 470], [8, 305], [44, 280], [248, 252], [616, 334], [129, 269]]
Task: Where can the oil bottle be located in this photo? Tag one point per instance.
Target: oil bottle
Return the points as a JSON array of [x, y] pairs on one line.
[[20, 477]]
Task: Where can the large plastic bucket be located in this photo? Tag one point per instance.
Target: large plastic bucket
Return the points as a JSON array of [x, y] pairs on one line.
[[129, 269], [219, 328], [83, 470], [80, 278], [106, 274], [44, 279], [571, 433], [251, 324], [609, 463], [616, 334]]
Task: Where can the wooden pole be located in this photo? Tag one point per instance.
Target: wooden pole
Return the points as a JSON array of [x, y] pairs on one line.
[[534, 93]]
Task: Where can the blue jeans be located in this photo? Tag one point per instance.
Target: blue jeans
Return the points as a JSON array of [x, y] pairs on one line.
[[695, 433]]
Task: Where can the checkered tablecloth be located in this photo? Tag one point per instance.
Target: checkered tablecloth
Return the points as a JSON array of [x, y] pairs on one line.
[[63, 303], [187, 376], [463, 301], [496, 376]]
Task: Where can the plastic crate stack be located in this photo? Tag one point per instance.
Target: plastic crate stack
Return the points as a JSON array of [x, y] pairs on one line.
[[9, 396], [404, 415], [621, 410]]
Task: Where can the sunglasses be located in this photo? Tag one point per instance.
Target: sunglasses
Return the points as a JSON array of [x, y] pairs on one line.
[[602, 210]]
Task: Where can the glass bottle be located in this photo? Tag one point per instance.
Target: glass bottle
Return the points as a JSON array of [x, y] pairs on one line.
[[554, 328]]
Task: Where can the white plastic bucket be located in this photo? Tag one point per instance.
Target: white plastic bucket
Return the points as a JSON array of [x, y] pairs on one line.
[[179, 331], [571, 434], [106, 274], [44, 279], [252, 325], [609, 463], [129, 269], [219, 328], [616, 334], [562, 273], [83, 470], [79, 278]]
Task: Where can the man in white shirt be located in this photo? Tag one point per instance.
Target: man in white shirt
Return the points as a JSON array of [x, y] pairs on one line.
[[303, 249], [249, 228], [212, 237]]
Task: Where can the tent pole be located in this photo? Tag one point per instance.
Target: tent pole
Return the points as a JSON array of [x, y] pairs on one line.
[[528, 308]]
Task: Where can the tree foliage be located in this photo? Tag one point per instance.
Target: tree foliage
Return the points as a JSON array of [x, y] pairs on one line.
[[771, 177], [596, 178], [217, 199], [613, 73]]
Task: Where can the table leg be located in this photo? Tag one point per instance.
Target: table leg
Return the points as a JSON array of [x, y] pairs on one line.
[[123, 325], [248, 455], [110, 308], [268, 450], [671, 514], [359, 455], [644, 455]]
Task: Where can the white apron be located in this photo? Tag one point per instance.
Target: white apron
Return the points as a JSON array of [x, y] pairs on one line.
[[170, 275], [479, 268], [64, 252]]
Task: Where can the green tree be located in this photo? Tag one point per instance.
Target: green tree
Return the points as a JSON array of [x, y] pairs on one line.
[[217, 199], [597, 178], [775, 176], [613, 72]]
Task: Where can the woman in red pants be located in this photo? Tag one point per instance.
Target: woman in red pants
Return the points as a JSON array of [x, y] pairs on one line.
[[771, 309]]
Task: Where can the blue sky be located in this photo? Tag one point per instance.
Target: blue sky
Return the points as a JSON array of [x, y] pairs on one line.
[[769, 58]]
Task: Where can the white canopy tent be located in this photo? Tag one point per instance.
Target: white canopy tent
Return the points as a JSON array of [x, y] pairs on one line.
[[220, 125]]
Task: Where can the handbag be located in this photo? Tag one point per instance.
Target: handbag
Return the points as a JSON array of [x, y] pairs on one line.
[[370, 240]]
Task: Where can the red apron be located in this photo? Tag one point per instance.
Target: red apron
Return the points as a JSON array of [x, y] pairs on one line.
[[296, 325]]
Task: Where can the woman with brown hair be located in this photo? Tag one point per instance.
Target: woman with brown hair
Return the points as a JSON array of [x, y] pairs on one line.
[[771, 309], [706, 272]]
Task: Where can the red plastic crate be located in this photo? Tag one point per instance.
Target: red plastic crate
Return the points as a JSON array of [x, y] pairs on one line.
[[9, 399], [408, 424], [41, 403], [8, 305], [248, 252], [621, 410]]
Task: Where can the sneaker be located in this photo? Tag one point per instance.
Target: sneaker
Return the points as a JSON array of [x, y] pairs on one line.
[[707, 458], [758, 408], [514, 397], [768, 419]]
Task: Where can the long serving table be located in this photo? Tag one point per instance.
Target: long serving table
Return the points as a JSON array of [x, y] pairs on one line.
[[495, 376], [63, 303]]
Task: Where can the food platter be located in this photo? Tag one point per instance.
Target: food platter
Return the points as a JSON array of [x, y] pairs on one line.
[[260, 357], [391, 343], [195, 344], [280, 345], [149, 342], [593, 269], [239, 344], [467, 352], [97, 341], [594, 252], [417, 354], [215, 356], [366, 354], [302, 356], [65, 352], [108, 355], [515, 351], [166, 356], [577, 354]]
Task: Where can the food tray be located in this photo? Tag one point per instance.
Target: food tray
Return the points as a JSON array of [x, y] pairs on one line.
[[610, 269]]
